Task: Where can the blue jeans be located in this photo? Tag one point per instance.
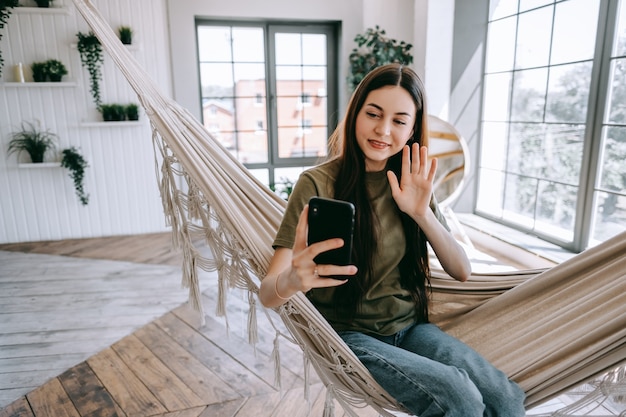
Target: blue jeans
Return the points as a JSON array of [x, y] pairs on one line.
[[433, 374]]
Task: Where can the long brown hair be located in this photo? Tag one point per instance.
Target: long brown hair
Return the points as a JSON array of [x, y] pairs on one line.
[[350, 186]]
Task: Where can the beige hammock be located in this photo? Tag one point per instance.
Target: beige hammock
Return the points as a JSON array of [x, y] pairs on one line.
[[549, 331]]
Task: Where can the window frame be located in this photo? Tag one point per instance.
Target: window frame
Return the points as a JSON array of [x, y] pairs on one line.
[[270, 26], [594, 124]]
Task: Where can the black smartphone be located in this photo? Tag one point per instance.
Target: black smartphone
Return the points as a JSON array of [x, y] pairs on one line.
[[330, 218]]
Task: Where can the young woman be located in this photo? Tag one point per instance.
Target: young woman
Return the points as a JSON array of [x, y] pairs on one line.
[[381, 309]]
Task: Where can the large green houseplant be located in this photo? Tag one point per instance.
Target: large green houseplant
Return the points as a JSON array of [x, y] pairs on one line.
[[34, 142], [374, 49]]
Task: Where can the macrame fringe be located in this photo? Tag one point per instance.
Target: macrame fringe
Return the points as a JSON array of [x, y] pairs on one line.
[[276, 360], [220, 308], [329, 404], [195, 206], [616, 384], [253, 335], [190, 276], [306, 364]]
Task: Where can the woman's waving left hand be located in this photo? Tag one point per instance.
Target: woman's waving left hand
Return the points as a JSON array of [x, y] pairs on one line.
[[413, 192]]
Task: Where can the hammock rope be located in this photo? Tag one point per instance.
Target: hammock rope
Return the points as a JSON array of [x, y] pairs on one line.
[[550, 330]]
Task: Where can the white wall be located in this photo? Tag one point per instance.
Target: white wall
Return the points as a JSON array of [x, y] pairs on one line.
[[40, 204], [466, 75]]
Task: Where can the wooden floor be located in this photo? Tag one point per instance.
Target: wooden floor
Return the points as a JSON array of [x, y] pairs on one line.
[[171, 365], [100, 327]]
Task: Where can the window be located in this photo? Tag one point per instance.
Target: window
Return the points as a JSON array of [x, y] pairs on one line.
[[257, 78], [545, 167]]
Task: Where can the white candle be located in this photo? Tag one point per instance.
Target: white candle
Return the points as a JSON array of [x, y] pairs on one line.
[[18, 73]]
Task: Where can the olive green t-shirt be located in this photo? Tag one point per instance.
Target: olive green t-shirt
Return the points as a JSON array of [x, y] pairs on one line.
[[386, 307]]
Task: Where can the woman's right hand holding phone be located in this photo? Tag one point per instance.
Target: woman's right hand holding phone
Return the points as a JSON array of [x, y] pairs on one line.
[[293, 270], [310, 274]]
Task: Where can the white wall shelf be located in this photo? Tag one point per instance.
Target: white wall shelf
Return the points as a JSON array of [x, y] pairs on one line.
[[126, 123], [41, 10], [30, 84], [31, 165], [131, 47]]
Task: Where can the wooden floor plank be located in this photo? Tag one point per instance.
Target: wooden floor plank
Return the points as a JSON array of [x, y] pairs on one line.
[[191, 412], [37, 363], [256, 361], [125, 388], [19, 408], [63, 335], [200, 379], [218, 361], [87, 393], [265, 402], [293, 404], [159, 251], [170, 390], [225, 409], [51, 400]]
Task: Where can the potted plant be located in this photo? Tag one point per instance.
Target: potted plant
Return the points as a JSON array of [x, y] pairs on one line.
[[92, 59], [113, 112], [126, 34], [132, 111], [43, 3], [55, 70], [39, 71], [76, 164], [32, 141], [377, 50], [5, 13], [283, 188]]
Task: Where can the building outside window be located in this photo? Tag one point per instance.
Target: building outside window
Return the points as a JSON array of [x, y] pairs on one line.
[[265, 81], [554, 119]]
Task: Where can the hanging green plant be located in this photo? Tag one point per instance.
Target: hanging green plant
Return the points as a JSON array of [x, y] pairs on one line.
[[92, 59], [5, 13], [375, 49], [76, 164]]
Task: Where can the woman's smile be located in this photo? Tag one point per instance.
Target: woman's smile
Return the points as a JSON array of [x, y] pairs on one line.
[[378, 145]]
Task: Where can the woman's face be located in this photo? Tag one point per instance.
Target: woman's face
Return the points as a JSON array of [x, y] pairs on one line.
[[384, 125]]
